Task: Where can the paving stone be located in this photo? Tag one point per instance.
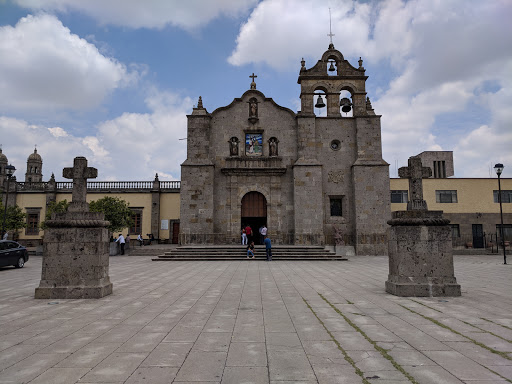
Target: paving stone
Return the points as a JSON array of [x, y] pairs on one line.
[[30, 368], [246, 375], [289, 365], [213, 342], [461, 366], [60, 376], [202, 366], [152, 375], [247, 355], [116, 367], [142, 342], [89, 356]]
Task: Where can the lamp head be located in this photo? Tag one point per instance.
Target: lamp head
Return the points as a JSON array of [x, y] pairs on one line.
[[9, 169], [499, 168]]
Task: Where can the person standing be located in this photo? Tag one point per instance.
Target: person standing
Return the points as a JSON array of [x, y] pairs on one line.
[[263, 233], [248, 232], [127, 240], [5, 236], [140, 240], [121, 242], [268, 248], [244, 237]]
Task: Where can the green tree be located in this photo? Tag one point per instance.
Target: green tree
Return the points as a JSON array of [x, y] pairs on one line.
[[54, 207], [15, 219], [116, 211]]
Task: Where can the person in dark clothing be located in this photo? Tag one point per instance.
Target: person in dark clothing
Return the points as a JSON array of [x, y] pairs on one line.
[[250, 250], [268, 248]]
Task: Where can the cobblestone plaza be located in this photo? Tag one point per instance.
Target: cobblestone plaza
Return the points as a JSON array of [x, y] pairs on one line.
[[257, 322]]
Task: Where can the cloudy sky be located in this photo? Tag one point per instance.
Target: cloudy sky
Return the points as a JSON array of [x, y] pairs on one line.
[[113, 80]]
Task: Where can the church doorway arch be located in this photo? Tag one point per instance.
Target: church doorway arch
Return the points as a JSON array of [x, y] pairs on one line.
[[254, 213]]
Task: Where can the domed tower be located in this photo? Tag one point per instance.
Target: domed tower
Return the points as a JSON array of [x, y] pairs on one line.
[[3, 164], [34, 168]]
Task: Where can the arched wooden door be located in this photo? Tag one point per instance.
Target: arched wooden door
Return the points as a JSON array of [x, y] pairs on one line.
[[254, 213]]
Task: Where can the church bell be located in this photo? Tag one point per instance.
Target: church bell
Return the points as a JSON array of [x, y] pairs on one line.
[[331, 68], [319, 102], [346, 105]]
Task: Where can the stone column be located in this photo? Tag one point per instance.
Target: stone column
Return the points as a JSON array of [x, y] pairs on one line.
[[76, 257]]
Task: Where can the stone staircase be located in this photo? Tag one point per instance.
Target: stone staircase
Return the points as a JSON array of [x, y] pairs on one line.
[[229, 252]]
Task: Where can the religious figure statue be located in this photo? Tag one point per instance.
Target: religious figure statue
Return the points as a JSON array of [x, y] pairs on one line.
[[233, 146], [272, 146], [253, 108]]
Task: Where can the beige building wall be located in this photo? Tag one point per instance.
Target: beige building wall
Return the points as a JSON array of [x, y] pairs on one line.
[[473, 195], [169, 210]]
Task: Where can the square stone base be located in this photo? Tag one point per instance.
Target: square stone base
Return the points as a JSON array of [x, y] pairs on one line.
[[421, 262], [75, 259], [73, 292]]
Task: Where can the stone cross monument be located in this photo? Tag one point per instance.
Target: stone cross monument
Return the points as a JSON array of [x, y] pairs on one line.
[[80, 172], [420, 244], [76, 257], [415, 173]]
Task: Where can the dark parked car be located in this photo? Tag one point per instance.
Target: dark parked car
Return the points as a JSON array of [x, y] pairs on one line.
[[12, 253]]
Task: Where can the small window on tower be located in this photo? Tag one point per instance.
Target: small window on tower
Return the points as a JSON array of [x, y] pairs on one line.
[[336, 207]]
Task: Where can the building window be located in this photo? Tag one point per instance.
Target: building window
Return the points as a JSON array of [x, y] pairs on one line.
[[446, 196], [399, 196], [455, 230], [136, 227], [336, 207], [507, 231], [506, 197], [32, 224]]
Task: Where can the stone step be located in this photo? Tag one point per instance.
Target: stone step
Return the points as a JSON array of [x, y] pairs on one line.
[[306, 258], [189, 253]]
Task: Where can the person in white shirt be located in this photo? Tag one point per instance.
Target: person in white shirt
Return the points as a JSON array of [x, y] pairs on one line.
[[121, 242], [140, 240], [264, 231], [6, 235]]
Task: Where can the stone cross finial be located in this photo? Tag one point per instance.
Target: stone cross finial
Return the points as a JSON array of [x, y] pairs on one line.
[[415, 172], [253, 84], [79, 173]]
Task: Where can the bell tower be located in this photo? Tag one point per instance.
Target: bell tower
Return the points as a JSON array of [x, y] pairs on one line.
[[34, 172], [344, 145]]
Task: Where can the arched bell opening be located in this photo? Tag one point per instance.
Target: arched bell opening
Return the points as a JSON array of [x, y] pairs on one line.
[[332, 67], [346, 104], [320, 101], [254, 213]]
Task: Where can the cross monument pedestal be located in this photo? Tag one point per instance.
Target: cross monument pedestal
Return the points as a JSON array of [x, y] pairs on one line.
[[76, 246], [420, 244]]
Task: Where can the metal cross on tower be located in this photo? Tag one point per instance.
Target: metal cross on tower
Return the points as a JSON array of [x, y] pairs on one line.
[[330, 34]]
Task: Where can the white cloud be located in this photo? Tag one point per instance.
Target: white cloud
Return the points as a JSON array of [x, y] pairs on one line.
[[442, 54], [280, 32], [188, 14], [133, 146], [58, 132], [44, 66]]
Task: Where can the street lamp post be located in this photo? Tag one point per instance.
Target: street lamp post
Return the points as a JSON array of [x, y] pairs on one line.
[[9, 170], [499, 169]]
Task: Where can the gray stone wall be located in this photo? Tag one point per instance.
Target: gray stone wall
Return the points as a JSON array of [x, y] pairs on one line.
[[307, 172]]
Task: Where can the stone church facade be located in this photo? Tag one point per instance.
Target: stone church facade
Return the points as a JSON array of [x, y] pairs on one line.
[[310, 179]]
